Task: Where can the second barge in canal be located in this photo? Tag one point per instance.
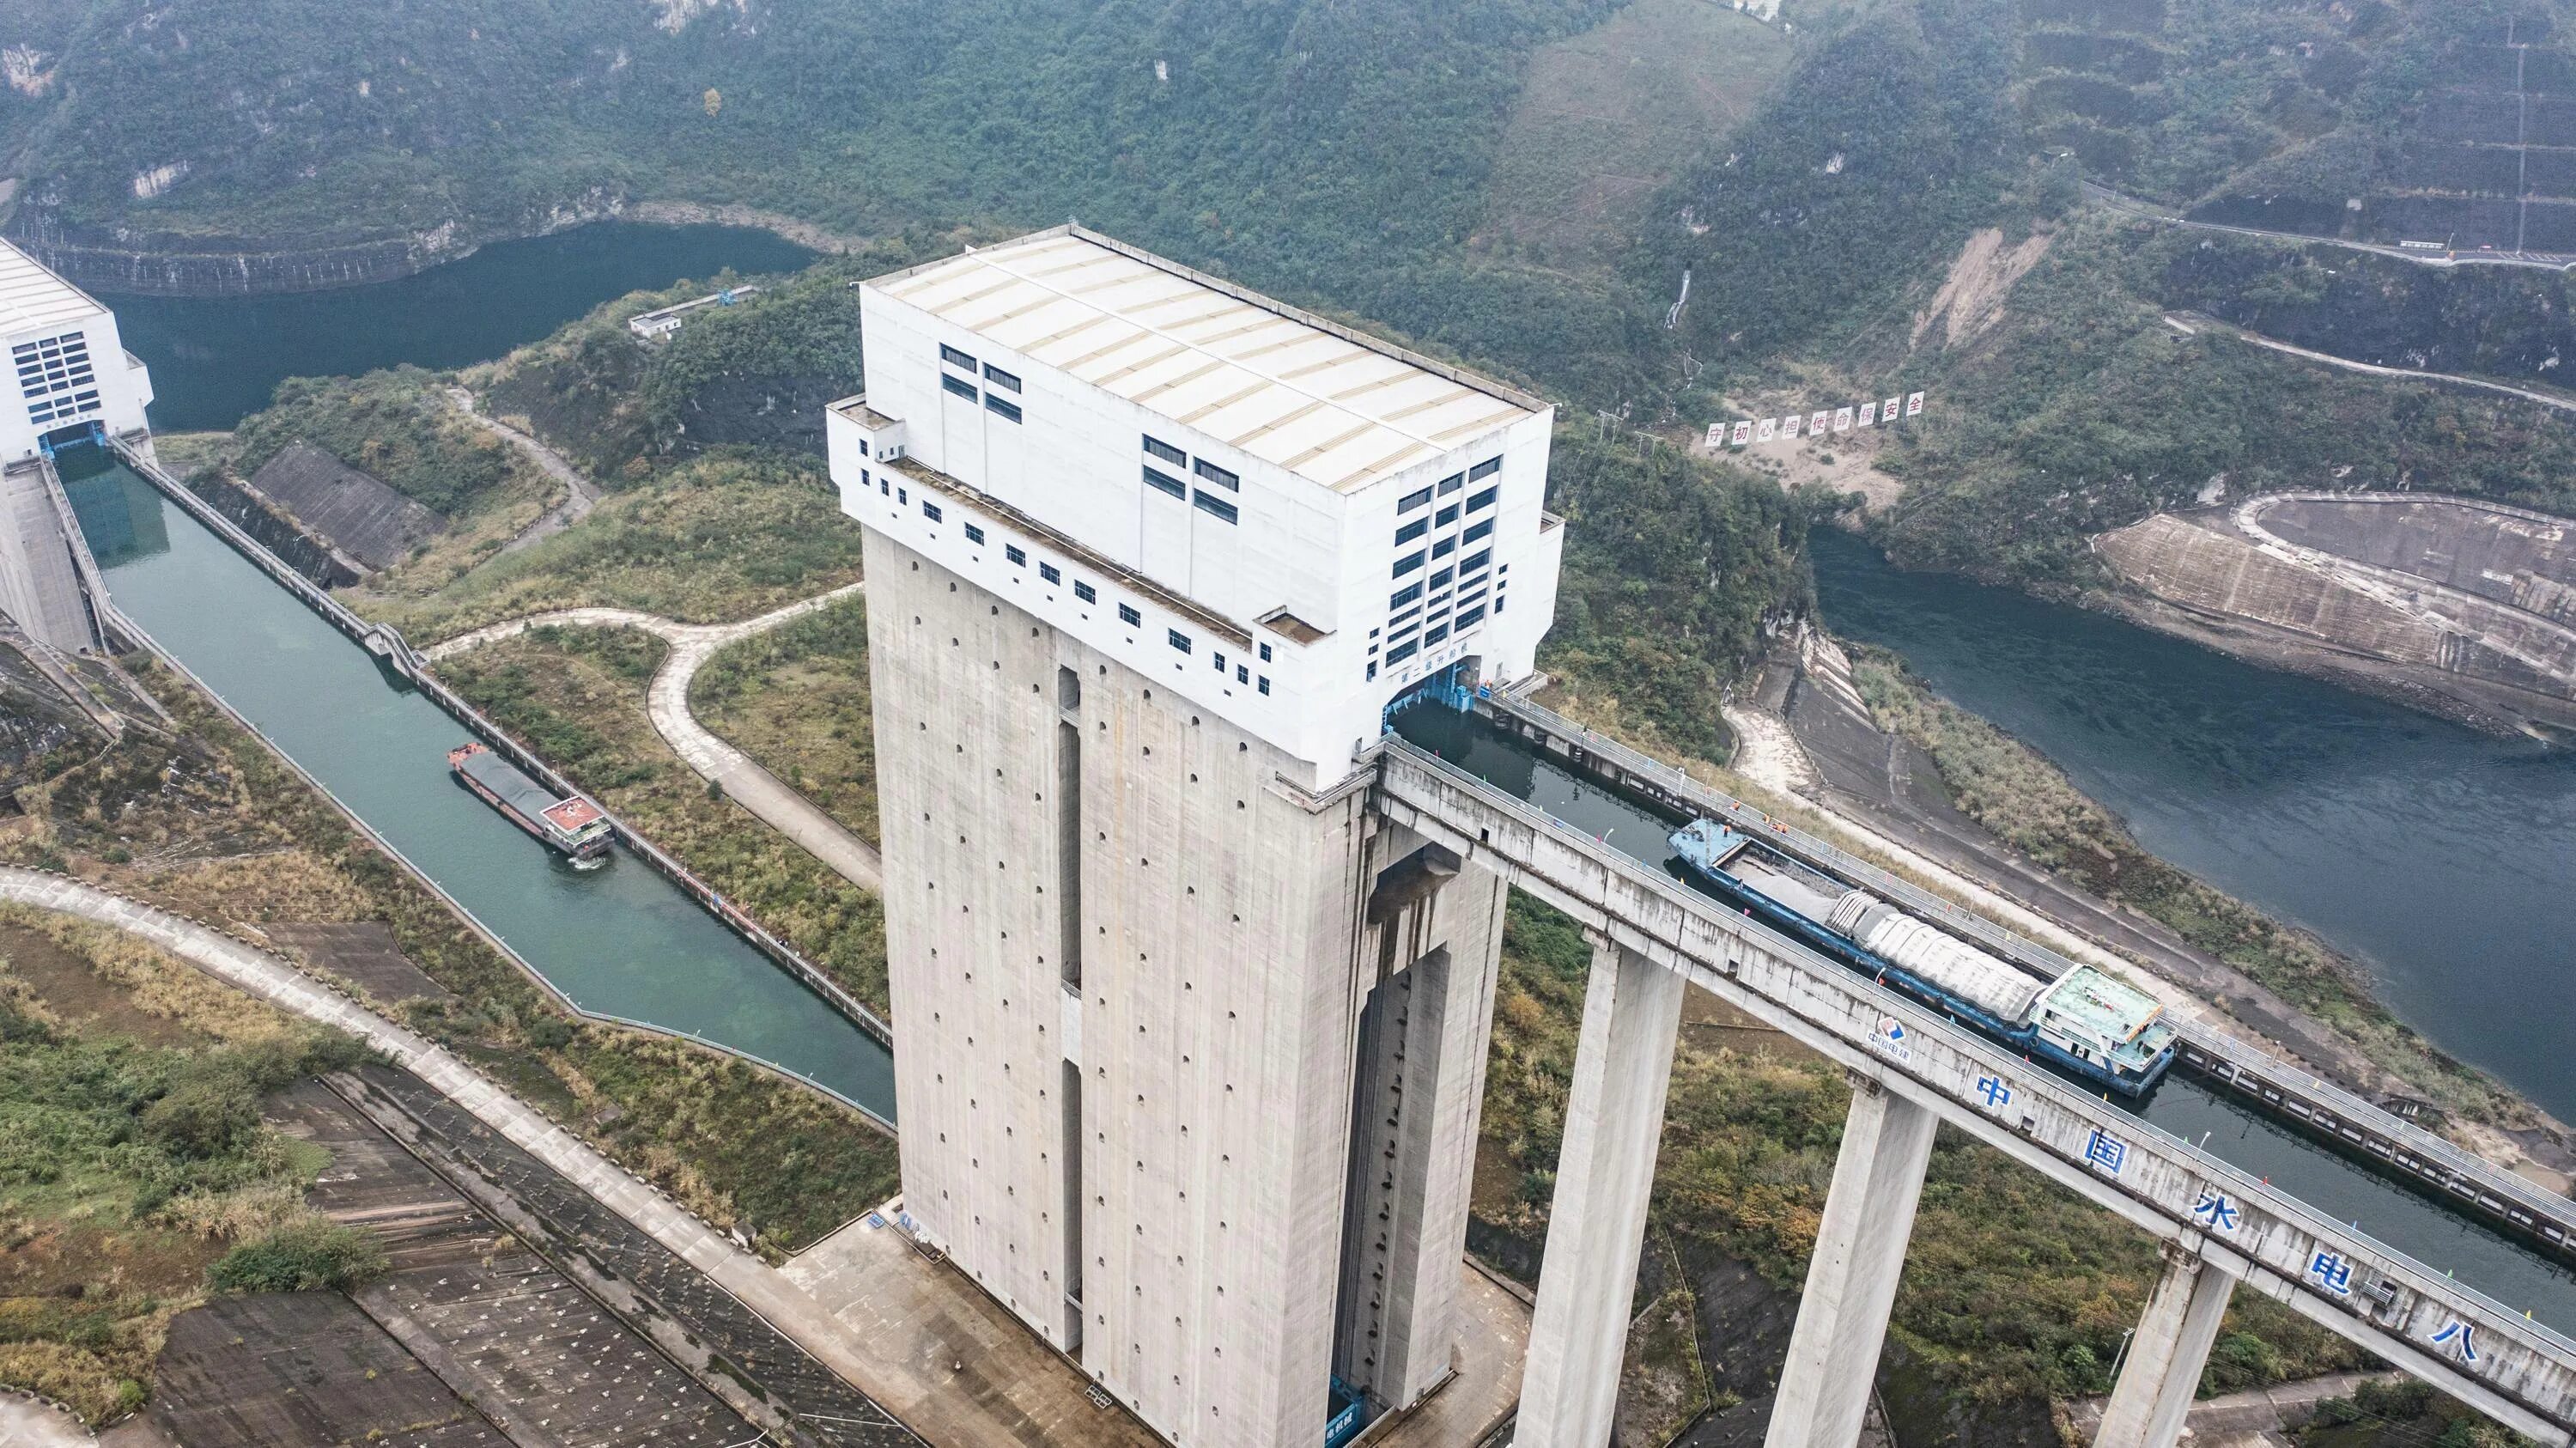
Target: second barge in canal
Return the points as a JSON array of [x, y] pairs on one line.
[[570, 824]]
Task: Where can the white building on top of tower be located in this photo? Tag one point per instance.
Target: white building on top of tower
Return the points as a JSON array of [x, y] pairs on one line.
[[68, 367], [1291, 522]]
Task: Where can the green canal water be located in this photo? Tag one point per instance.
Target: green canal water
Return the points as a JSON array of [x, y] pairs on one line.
[[619, 940]]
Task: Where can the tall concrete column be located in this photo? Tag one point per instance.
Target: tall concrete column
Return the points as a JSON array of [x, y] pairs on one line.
[[2166, 1355], [1419, 1081], [1614, 1120], [1851, 1281]]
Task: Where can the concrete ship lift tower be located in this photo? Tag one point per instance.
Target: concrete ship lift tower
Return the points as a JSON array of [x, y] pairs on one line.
[[1193, 1042]]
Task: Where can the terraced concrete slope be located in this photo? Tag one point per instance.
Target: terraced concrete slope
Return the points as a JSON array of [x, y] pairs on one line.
[[2465, 607]]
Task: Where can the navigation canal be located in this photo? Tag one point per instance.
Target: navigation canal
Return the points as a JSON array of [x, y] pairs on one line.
[[2438, 857], [621, 941], [2183, 1107]]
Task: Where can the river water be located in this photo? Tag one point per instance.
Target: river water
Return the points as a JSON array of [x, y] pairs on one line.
[[621, 940], [2442, 859], [215, 360]]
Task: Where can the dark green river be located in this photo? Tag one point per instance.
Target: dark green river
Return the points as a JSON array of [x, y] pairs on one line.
[[2443, 860], [215, 360]]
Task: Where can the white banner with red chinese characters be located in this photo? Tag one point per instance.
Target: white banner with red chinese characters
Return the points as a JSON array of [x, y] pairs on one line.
[[1753, 431]]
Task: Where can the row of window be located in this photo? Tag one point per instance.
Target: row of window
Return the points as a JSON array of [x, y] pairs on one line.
[[993, 401], [1206, 502], [1181, 641], [1018, 558], [1225, 478], [1007, 381], [1451, 484], [1446, 516]]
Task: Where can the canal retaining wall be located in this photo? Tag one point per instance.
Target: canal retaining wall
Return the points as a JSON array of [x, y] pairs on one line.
[[389, 646], [307, 552]]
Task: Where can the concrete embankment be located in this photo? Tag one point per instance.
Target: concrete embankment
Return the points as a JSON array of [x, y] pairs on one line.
[[112, 259], [2454, 605]]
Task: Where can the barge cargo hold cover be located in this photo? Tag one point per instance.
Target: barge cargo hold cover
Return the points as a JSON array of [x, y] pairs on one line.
[[569, 823]]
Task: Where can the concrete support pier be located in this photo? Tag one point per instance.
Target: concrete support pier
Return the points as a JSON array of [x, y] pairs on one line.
[[1851, 1281], [2162, 1372], [1614, 1119]]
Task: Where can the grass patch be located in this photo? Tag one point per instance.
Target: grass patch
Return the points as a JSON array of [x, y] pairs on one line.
[[392, 425], [577, 696], [1607, 117], [2013, 791], [304, 1256], [796, 699], [722, 537], [2013, 1288], [128, 1165]]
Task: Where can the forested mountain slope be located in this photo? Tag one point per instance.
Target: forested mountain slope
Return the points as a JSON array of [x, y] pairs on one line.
[[1319, 149], [1523, 183]]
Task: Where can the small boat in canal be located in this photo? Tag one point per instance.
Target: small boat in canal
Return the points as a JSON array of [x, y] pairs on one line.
[[568, 824]]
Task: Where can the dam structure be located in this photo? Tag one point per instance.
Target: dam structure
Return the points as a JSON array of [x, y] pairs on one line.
[[1193, 1041], [1195, 959]]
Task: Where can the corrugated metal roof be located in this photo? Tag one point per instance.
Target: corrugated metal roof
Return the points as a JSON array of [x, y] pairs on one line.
[[32, 298], [1332, 409]]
